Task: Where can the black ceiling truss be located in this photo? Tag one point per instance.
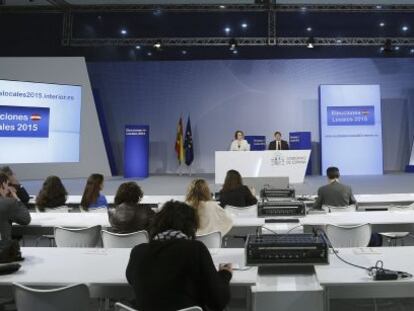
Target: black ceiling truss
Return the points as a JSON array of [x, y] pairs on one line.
[[241, 41], [271, 38], [61, 5]]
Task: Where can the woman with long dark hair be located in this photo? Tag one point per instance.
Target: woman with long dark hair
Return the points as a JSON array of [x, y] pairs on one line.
[[174, 271], [52, 196], [92, 197], [234, 193]]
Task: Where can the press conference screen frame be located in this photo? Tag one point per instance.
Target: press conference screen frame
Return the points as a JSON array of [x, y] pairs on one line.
[[41, 122], [351, 128]]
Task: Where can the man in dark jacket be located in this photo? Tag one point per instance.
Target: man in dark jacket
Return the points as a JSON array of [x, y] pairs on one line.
[[278, 143], [334, 193], [11, 208], [20, 190]]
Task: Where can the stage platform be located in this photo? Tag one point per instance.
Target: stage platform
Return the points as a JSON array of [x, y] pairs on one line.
[[177, 185]]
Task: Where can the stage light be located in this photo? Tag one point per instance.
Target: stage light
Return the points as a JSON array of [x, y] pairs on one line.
[[310, 43], [232, 44], [157, 45], [397, 48], [124, 31], [338, 41], [184, 52], [404, 28], [309, 29], [138, 47], [222, 6], [379, 7], [244, 25], [303, 9], [235, 52], [149, 53], [412, 51], [227, 30], [382, 24]]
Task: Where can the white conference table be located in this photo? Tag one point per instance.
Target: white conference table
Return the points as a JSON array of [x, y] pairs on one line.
[[42, 221], [344, 281], [398, 221], [150, 199], [102, 270]]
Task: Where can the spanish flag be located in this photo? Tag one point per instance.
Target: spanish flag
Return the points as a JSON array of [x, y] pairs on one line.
[[179, 142]]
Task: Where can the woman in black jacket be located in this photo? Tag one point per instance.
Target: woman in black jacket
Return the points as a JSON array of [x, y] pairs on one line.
[[174, 271], [234, 193], [128, 215]]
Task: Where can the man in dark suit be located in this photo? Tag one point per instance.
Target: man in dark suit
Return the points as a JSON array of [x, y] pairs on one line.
[[20, 190], [11, 208], [334, 193], [278, 143]]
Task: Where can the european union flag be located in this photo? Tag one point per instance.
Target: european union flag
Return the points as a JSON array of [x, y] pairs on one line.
[[188, 144]]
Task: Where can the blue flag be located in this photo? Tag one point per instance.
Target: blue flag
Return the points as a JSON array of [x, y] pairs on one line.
[[188, 144]]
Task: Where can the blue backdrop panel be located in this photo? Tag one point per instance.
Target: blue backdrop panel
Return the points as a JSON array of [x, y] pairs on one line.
[[256, 142], [136, 154], [301, 141], [351, 128]]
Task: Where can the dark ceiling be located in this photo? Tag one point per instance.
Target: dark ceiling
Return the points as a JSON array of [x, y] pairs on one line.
[[39, 32]]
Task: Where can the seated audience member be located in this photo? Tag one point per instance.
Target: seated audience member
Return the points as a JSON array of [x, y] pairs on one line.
[[211, 216], [128, 216], [20, 190], [334, 194], [174, 271], [234, 193], [92, 197], [52, 197], [11, 208]]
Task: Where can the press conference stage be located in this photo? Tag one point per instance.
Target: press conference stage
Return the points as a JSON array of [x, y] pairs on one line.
[[173, 184]]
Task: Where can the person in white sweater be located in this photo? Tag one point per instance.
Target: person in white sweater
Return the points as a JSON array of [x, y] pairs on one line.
[[212, 217], [239, 143]]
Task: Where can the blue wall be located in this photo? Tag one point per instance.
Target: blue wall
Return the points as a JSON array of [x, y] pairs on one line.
[[258, 97]]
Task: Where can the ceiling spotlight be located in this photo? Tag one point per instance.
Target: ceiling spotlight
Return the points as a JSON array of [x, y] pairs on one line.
[[235, 52], [222, 6], [303, 9], [137, 47], [244, 25], [412, 51], [123, 31], [233, 45], [310, 43], [379, 7], [157, 12], [382, 24], [338, 41], [404, 28], [183, 52], [227, 30], [397, 48], [309, 29], [149, 54], [157, 45]]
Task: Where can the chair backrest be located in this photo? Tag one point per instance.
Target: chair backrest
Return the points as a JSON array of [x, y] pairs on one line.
[[349, 236], [79, 237], [211, 240], [121, 307], [195, 308], [335, 209], [69, 298], [248, 211], [123, 240]]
